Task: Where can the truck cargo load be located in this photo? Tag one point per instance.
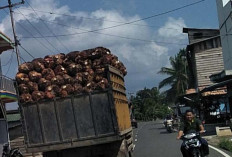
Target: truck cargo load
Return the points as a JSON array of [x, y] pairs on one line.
[[92, 115]]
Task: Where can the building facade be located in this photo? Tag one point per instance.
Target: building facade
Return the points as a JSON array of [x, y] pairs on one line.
[[225, 24], [204, 55], [205, 58]]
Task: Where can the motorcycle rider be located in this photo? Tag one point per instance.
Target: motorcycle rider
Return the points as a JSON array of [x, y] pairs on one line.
[[189, 124]]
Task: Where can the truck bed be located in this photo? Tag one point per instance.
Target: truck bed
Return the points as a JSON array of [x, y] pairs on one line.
[[79, 120]]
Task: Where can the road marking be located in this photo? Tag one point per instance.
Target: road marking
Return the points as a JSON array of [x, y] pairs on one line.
[[136, 140], [218, 150]]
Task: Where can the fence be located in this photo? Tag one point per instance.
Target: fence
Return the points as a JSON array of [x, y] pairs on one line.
[[7, 84]]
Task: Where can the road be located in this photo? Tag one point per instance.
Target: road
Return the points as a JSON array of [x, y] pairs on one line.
[[151, 139]]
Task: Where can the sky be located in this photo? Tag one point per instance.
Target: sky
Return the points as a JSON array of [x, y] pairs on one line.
[[52, 26]]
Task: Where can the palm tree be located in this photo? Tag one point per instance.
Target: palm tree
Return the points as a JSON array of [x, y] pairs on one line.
[[178, 79]]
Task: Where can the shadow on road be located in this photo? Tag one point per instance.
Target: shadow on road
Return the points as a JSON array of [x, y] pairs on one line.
[[164, 132]]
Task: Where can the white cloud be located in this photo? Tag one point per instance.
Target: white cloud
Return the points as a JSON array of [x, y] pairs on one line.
[[172, 30]]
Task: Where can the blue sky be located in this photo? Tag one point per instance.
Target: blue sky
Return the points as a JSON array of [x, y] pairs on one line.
[[151, 42]]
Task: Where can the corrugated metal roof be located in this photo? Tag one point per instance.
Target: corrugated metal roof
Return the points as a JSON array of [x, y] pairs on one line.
[[5, 43]]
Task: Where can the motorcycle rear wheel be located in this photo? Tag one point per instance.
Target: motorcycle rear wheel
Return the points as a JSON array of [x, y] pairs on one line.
[[197, 153]]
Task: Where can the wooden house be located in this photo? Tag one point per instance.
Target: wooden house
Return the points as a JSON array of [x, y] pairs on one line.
[[204, 56]]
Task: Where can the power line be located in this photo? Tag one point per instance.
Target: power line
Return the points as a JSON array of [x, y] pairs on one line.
[[9, 59], [32, 35], [16, 41], [38, 31], [27, 52], [99, 19], [35, 37], [129, 38], [22, 58], [104, 33], [132, 21], [142, 19], [48, 28]]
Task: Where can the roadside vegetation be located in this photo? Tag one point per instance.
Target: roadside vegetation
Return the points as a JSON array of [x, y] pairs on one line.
[[150, 104], [226, 144]]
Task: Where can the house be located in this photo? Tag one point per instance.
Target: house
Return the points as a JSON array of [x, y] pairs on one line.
[[224, 77], [204, 56], [8, 95], [7, 92]]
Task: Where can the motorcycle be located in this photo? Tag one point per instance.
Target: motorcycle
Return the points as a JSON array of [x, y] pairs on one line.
[[7, 152], [169, 124], [193, 145]]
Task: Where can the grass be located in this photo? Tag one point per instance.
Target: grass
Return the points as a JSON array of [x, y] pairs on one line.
[[226, 144]]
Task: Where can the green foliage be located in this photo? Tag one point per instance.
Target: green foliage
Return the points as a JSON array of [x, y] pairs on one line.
[[177, 76], [226, 144], [149, 104]]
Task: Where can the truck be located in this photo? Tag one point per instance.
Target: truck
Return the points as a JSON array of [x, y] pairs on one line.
[[95, 124]]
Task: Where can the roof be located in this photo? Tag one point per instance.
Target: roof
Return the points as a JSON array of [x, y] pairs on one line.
[[221, 76], [13, 117], [204, 39], [5, 43], [186, 30]]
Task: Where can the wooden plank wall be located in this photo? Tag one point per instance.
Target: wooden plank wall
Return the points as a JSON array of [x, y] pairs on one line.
[[208, 62]]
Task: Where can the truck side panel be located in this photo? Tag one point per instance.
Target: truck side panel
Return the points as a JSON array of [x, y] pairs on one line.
[[123, 115], [32, 125], [49, 122], [66, 119], [102, 114], [69, 120], [120, 100], [83, 117]]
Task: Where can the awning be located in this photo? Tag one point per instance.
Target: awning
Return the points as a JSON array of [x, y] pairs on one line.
[[222, 76], [5, 43], [217, 85]]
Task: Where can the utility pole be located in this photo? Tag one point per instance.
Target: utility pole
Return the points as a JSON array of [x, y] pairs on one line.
[[16, 41]]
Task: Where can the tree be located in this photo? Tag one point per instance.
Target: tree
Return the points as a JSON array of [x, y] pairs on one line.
[[149, 104], [178, 76]]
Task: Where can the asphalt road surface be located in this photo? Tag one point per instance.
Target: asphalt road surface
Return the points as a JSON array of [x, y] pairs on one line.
[[152, 140]]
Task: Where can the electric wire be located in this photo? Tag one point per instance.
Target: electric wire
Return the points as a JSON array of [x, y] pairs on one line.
[[48, 28], [27, 52], [129, 38], [53, 21], [149, 17], [100, 19], [9, 59], [132, 22], [38, 31], [22, 58], [35, 38], [31, 34]]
